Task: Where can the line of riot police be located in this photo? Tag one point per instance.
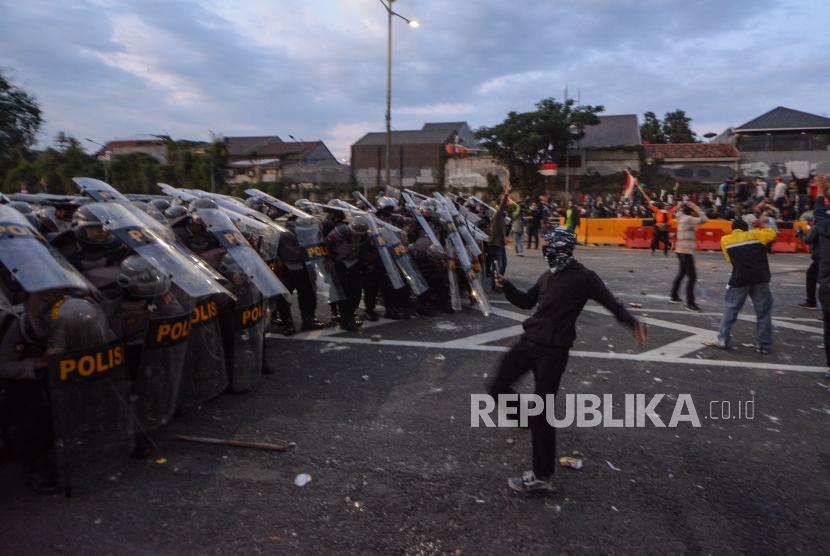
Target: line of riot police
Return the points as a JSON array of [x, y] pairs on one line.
[[117, 313]]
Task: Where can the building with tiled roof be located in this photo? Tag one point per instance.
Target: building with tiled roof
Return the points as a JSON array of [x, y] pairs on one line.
[[702, 162], [782, 142]]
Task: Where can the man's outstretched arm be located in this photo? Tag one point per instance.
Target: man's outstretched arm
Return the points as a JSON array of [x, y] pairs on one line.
[[519, 298]]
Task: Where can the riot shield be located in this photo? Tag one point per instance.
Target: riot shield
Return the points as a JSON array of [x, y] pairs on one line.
[[320, 266], [470, 272], [88, 391], [384, 251], [427, 229], [133, 232], [204, 376], [156, 333], [99, 190], [452, 276], [31, 260], [220, 225], [407, 267], [244, 327], [461, 225], [276, 203]]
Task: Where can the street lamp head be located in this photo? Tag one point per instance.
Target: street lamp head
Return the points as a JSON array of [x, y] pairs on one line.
[[414, 23]]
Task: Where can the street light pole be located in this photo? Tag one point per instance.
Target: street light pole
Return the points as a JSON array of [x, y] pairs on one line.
[[388, 91], [412, 23]]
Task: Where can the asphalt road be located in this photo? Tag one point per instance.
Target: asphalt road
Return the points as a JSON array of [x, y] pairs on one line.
[[382, 425]]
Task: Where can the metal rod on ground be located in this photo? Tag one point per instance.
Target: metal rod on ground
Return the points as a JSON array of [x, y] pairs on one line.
[[282, 447]]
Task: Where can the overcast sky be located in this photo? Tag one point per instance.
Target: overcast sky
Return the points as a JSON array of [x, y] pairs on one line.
[[316, 69]]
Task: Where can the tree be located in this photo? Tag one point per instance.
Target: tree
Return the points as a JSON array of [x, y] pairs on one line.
[[677, 129], [53, 169], [652, 129], [20, 120], [525, 140]]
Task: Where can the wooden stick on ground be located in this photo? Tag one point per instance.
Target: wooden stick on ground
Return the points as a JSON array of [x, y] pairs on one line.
[[282, 447]]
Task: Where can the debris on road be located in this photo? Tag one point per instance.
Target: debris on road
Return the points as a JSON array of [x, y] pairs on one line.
[[440, 357], [377, 337], [365, 377], [612, 466], [572, 463], [302, 479], [281, 447], [161, 461], [635, 305]]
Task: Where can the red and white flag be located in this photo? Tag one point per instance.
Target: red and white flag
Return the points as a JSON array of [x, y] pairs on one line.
[[630, 184]]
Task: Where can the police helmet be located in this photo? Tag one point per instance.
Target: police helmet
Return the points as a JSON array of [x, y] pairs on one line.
[[231, 269], [203, 203], [141, 279], [359, 225], [429, 207], [160, 205], [255, 203], [89, 229], [386, 202], [175, 214]]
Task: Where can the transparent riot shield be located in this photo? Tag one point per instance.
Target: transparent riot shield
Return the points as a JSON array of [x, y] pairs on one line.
[[461, 225], [452, 276], [99, 190], [276, 203], [319, 264], [133, 231], [31, 261], [88, 391], [156, 334], [235, 244], [205, 375], [405, 263], [385, 253], [470, 272], [244, 329]]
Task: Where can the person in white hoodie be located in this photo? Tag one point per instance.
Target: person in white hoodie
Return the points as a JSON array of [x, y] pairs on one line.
[[690, 218]]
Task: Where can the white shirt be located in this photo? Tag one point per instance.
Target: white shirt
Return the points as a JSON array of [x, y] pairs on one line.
[[780, 190]]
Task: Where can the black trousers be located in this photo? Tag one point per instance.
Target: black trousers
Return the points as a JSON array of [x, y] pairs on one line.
[[351, 279], [686, 270], [548, 365], [660, 236], [533, 237], [812, 280], [824, 298], [299, 281]]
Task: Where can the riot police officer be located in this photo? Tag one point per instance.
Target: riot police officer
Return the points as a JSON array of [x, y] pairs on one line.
[[348, 242]]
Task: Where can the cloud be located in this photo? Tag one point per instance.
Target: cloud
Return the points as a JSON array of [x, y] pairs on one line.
[[317, 68]]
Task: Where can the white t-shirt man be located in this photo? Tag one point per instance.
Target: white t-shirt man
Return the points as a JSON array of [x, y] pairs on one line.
[[780, 189]]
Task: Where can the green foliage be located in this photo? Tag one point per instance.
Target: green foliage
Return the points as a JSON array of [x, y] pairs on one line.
[[651, 130], [20, 120], [494, 185], [525, 140], [677, 128]]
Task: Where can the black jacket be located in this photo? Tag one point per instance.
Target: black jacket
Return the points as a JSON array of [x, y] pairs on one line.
[[823, 231], [560, 298]]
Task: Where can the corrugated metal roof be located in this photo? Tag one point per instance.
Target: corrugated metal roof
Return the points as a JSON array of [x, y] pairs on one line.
[[413, 137], [612, 131], [785, 118]]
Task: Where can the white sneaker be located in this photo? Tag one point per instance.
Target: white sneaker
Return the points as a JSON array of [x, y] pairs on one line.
[[529, 483]]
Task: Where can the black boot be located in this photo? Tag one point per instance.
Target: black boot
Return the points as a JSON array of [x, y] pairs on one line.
[[313, 324]]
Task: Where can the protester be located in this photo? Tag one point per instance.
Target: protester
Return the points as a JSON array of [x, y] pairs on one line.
[[690, 218], [811, 239], [560, 295], [823, 231], [517, 227], [746, 250]]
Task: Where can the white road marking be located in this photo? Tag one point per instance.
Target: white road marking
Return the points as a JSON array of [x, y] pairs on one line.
[[671, 353], [642, 357]]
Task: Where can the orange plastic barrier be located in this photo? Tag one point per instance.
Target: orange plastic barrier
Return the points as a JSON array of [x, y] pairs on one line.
[[786, 242], [638, 237], [708, 239], [603, 231]]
